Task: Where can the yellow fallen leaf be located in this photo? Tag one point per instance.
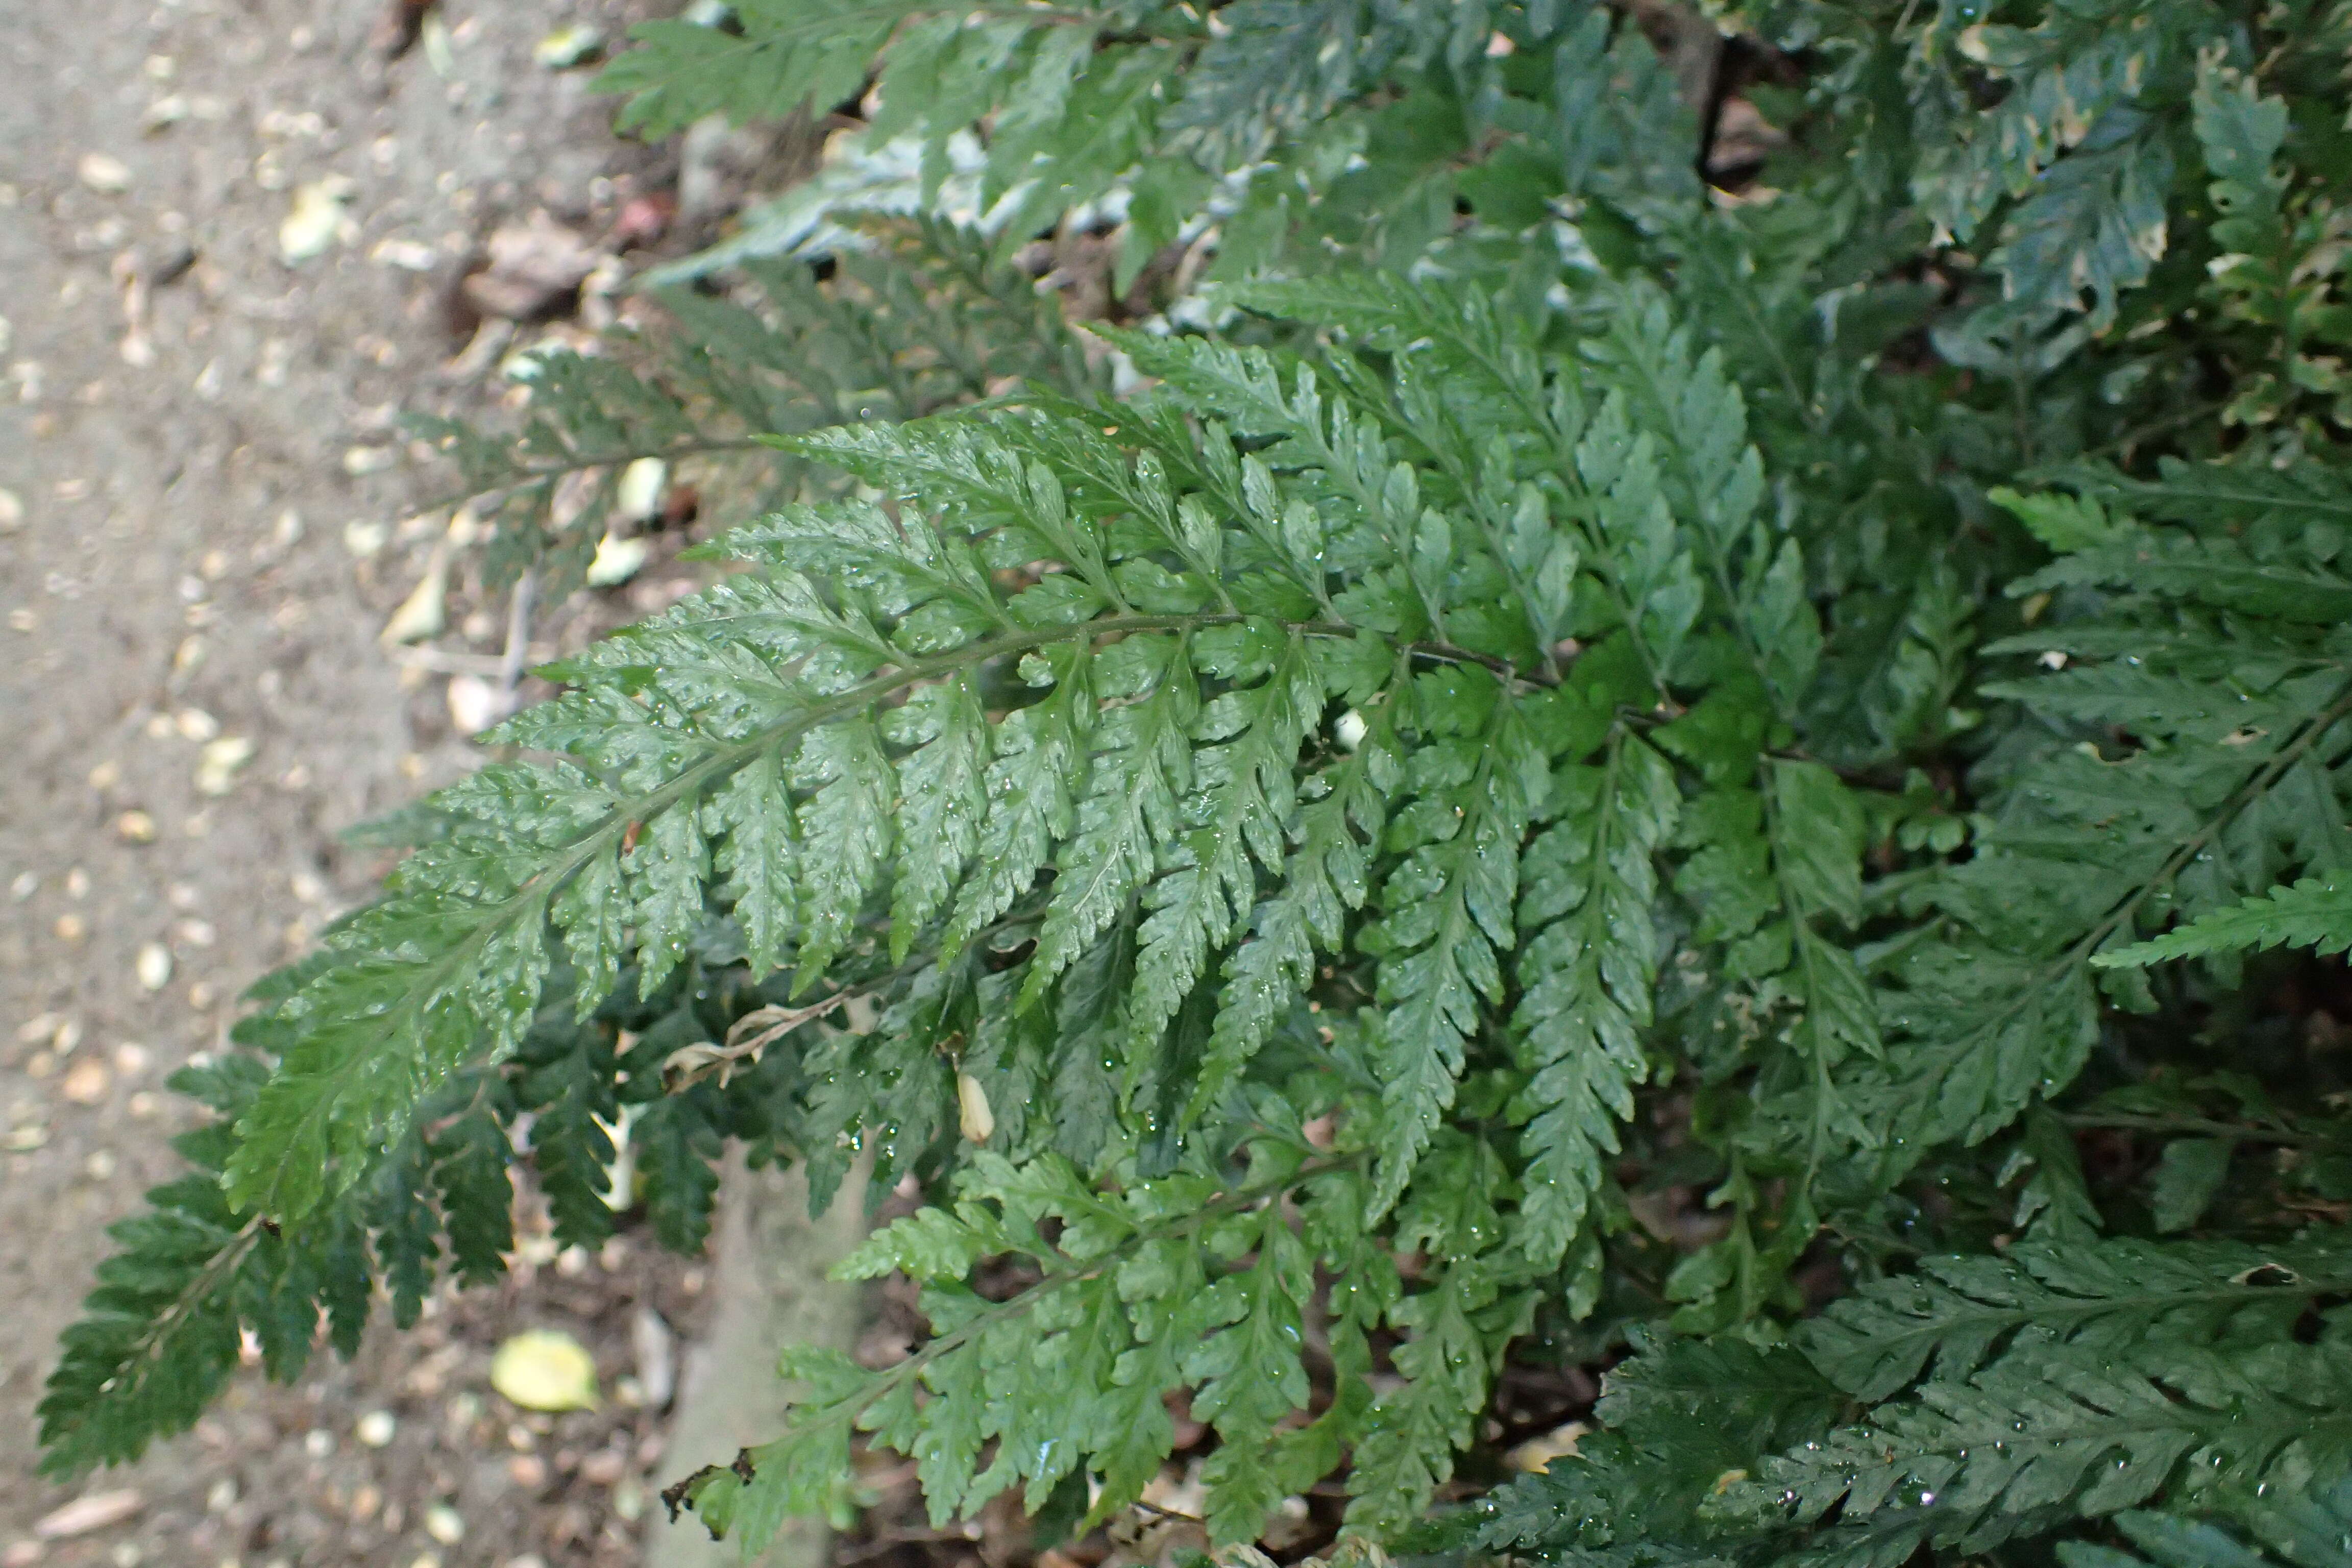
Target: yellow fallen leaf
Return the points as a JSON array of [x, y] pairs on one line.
[[544, 1369]]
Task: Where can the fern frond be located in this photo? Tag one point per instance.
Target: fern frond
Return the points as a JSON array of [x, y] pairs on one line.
[[1588, 970], [160, 1336], [2304, 1533], [2312, 913], [1128, 1283], [1958, 1309], [918, 318], [1447, 908], [782, 56], [1967, 1463]]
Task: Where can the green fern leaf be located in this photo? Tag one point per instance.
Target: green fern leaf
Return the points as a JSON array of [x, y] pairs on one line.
[[1967, 1462], [1446, 909], [2312, 913], [1588, 969], [1958, 1310], [1237, 814]]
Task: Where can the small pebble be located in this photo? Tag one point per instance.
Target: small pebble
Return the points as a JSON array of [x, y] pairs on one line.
[[222, 1497], [526, 1470], [365, 1501], [99, 1165], [130, 1059], [315, 220], [218, 766], [474, 704], [195, 724], [84, 1083], [444, 1525], [135, 827], [143, 1105], [106, 775], [106, 174], [71, 928], [154, 966], [200, 995], [375, 1428], [317, 1442], [12, 512], [77, 883]]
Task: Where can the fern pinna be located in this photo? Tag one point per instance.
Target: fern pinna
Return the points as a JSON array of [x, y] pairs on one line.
[[1702, 788]]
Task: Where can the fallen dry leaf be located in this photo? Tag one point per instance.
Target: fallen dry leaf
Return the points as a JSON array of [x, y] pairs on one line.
[[425, 610], [533, 268], [408, 254], [395, 30], [92, 1511], [572, 44], [638, 498], [973, 1118], [618, 560]]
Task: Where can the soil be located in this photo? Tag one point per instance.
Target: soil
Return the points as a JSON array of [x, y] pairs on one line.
[[209, 513]]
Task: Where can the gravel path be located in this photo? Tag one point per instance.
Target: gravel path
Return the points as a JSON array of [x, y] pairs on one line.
[[199, 538]]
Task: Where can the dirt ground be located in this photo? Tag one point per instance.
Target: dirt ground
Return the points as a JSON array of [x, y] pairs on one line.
[[200, 536]]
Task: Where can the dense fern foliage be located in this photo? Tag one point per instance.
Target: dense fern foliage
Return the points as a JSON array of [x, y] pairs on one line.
[[1732, 776], [916, 321]]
